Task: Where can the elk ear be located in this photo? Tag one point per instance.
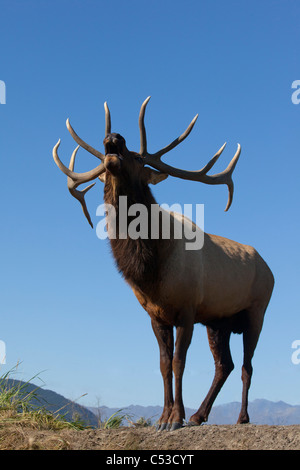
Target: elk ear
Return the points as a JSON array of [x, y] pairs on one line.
[[102, 177], [153, 176]]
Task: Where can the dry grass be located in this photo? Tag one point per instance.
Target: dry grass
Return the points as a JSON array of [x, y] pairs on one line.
[[20, 436]]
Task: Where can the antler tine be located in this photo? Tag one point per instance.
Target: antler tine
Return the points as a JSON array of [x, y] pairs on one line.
[[143, 138], [228, 176], [75, 179], [107, 120], [79, 195], [78, 178], [83, 144], [177, 141]]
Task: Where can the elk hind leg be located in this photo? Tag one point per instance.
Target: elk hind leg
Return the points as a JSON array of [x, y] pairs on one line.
[[251, 334], [219, 346]]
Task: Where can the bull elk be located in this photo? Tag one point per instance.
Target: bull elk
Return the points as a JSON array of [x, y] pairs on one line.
[[225, 285]]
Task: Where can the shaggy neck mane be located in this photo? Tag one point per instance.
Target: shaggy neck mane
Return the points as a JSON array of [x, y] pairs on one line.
[[137, 260]]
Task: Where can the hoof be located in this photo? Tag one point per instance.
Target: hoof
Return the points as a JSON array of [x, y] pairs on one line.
[[192, 423], [243, 421], [175, 426], [162, 427], [243, 418]]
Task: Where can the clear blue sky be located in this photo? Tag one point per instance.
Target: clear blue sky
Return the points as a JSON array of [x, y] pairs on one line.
[[65, 311]]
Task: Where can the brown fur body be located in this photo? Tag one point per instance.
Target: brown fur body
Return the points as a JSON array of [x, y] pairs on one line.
[[225, 286]]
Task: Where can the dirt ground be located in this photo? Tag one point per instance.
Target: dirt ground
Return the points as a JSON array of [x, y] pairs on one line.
[[208, 437]]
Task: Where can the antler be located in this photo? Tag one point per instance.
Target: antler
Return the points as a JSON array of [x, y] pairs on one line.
[[107, 120], [75, 179], [154, 160]]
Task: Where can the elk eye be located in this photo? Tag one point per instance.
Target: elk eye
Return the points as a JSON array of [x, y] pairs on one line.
[[139, 159]]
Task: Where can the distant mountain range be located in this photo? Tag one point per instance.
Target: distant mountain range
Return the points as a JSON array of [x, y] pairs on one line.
[[261, 411]]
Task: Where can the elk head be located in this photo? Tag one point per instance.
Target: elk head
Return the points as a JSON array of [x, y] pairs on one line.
[[146, 167]]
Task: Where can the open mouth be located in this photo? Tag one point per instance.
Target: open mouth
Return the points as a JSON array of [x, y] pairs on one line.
[[111, 148]]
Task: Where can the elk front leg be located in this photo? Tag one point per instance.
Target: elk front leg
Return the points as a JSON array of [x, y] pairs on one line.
[[183, 339], [165, 339], [250, 338]]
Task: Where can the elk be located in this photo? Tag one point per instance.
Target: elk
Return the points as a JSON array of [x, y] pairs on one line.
[[225, 285]]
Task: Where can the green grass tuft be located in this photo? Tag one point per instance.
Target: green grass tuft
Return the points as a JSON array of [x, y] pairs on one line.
[[19, 405]]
